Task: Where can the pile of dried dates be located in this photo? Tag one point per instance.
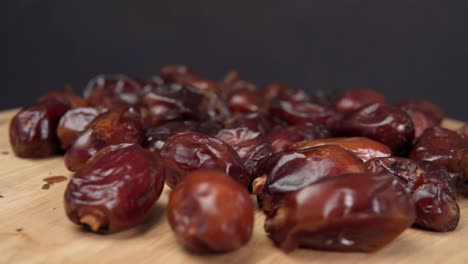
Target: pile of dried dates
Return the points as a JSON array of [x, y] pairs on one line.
[[345, 171]]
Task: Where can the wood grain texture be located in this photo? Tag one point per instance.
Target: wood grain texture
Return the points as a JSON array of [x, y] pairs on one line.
[[34, 229]]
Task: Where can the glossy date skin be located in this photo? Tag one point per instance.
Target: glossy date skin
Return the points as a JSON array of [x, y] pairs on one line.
[[155, 137], [364, 148], [293, 170], [281, 138], [444, 147], [32, 130], [73, 123], [256, 122], [354, 99], [386, 124], [215, 225], [252, 147], [114, 91], [432, 189], [300, 113], [67, 96], [116, 189], [351, 212], [190, 151], [109, 128], [430, 110]]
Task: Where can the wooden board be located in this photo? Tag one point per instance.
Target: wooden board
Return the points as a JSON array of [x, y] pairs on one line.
[[34, 229]]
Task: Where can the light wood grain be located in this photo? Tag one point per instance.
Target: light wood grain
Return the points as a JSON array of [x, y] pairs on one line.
[[48, 237]]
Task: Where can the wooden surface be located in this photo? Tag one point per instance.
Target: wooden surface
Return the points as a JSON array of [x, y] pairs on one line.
[[34, 229]]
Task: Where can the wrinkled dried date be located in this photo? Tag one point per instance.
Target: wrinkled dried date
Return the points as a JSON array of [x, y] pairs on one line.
[[290, 171], [116, 189], [432, 190], [220, 211], [109, 128], [281, 138], [354, 99], [352, 212], [32, 130], [386, 124], [444, 147], [189, 151], [73, 123]]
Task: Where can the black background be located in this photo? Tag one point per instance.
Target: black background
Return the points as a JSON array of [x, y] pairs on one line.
[[406, 49]]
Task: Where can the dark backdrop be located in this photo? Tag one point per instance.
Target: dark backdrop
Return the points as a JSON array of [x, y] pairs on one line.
[[405, 48]]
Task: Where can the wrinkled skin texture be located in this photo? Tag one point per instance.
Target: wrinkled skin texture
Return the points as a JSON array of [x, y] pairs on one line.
[[116, 189], [352, 212], [215, 225], [430, 110], [300, 113], [354, 99], [252, 147], [281, 138], [386, 124], [254, 121], [432, 190], [290, 171], [155, 137], [189, 151], [245, 101], [114, 91], [444, 147], [32, 130], [109, 128], [364, 148], [420, 121], [73, 123]]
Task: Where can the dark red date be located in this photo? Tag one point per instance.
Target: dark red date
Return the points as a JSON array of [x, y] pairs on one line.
[[386, 124], [354, 99], [281, 138], [109, 128], [215, 225], [352, 212], [32, 130], [189, 151], [290, 171], [116, 189], [444, 147], [73, 123]]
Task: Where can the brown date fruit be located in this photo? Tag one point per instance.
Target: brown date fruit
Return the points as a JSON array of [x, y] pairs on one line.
[[116, 189], [180, 74], [364, 148], [190, 151], [444, 147], [279, 91], [354, 99], [109, 128], [155, 137], [300, 113], [73, 123], [245, 101], [293, 170], [252, 147], [420, 121], [32, 130], [220, 212], [174, 102], [281, 138], [386, 124], [67, 96], [114, 91], [256, 122], [430, 110], [351, 212], [432, 190]]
